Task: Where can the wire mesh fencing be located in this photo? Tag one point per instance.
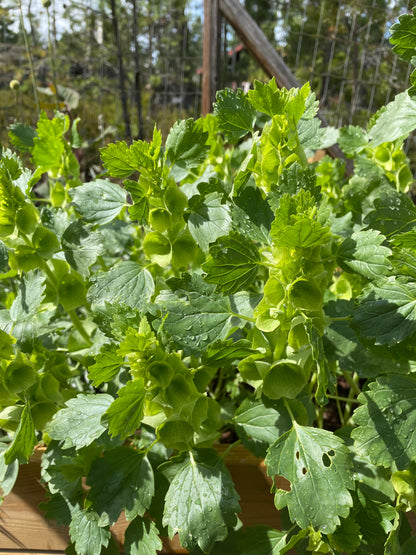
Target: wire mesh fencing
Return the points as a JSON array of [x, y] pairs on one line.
[[340, 46]]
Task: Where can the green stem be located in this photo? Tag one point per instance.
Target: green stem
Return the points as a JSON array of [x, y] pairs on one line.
[[344, 399], [229, 448], [352, 381], [320, 417], [29, 55], [220, 381], [289, 410], [151, 445], [51, 56], [44, 266], [354, 390], [246, 318], [78, 326], [340, 413]]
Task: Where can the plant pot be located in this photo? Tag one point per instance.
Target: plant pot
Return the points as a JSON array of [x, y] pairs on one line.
[[24, 529]]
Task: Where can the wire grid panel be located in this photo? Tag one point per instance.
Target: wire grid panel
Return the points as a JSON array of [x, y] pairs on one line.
[[343, 49]]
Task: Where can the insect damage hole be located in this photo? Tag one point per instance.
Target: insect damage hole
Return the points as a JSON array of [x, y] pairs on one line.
[[297, 454], [304, 470], [326, 458]]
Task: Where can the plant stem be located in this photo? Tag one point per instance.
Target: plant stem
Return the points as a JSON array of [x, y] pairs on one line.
[[151, 445], [220, 381], [229, 448], [320, 417], [340, 413], [51, 55], [352, 381], [44, 266], [78, 326], [344, 399], [29, 55], [289, 410], [354, 390]]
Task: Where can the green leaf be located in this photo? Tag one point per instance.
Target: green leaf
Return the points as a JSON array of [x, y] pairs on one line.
[[233, 263], [402, 36], [186, 146], [195, 319], [220, 353], [130, 489], [63, 471], [313, 137], [125, 283], [118, 159], [58, 508], [352, 140], [8, 473], [6, 345], [4, 258], [268, 98], [81, 247], [386, 421], [252, 215], [295, 224], [393, 213], [142, 538], [121, 160], [79, 424], [364, 254], [318, 467], [49, 147], [86, 533], [404, 260], [342, 344], [29, 297], [139, 210], [24, 439], [211, 504], [267, 541], [100, 201], [126, 412], [292, 180], [260, 423], [386, 315], [21, 136], [208, 219], [235, 114], [107, 365], [397, 120], [29, 318], [346, 537]]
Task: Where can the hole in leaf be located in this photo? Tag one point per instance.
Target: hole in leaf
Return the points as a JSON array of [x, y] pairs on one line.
[[326, 460], [297, 455], [304, 470], [281, 483], [331, 452]]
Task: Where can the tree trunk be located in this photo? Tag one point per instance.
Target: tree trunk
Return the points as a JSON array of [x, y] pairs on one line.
[[121, 73], [137, 83]]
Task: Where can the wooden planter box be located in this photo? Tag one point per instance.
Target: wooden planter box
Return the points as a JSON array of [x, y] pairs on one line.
[[24, 529]]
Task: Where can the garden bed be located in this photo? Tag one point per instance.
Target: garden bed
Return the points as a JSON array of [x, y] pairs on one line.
[[25, 530]]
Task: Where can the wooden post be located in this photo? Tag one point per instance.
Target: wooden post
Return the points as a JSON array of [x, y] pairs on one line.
[[210, 54], [257, 44], [260, 48]]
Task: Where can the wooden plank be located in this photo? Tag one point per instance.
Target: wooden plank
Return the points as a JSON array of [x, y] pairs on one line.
[[260, 48], [256, 43], [24, 529], [210, 55]]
